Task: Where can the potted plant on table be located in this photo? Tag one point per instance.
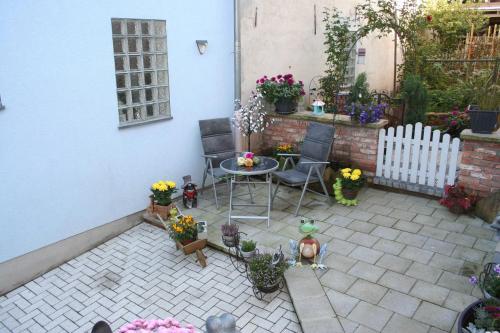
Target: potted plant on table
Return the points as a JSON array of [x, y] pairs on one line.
[[282, 91], [182, 228], [248, 249], [265, 274], [161, 199], [351, 182], [284, 148], [230, 235], [483, 315], [457, 200]]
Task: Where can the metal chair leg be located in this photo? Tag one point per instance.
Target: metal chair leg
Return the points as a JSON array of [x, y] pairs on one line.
[[204, 178], [213, 185], [303, 191], [249, 190], [323, 185], [275, 191]]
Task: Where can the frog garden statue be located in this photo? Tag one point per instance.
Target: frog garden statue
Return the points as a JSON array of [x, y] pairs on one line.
[[308, 245]]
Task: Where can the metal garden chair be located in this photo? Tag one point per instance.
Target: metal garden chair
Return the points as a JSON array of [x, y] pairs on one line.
[[315, 151]]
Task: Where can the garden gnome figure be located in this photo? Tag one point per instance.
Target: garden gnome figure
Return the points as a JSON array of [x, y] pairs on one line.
[[223, 324], [190, 194], [322, 253]]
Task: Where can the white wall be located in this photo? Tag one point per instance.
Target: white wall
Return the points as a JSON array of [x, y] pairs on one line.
[[284, 42], [65, 167]]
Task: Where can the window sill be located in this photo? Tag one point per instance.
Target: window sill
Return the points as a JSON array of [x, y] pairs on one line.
[[144, 122]]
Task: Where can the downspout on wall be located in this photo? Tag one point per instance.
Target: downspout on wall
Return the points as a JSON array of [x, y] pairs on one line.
[[237, 51]]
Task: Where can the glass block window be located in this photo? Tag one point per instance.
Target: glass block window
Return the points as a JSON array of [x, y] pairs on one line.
[[141, 69]]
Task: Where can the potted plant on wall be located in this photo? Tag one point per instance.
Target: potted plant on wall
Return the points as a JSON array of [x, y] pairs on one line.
[[230, 235], [248, 249], [265, 274], [282, 91], [484, 314], [486, 107], [161, 199]]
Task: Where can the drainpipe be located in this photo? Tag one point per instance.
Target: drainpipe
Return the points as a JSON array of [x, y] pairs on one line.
[[237, 51]]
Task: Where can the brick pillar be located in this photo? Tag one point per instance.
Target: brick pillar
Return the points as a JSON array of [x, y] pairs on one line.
[[480, 163], [354, 144]]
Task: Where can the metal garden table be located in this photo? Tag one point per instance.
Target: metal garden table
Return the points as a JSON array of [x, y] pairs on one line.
[[266, 166]]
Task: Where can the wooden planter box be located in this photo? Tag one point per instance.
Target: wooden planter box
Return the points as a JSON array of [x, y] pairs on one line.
[[195, 247]]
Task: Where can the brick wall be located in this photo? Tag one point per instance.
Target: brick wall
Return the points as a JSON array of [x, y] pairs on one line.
[[354, 144], [480, 163]]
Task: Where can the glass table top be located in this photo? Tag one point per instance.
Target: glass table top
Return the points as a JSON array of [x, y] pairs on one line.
[[266, 165]]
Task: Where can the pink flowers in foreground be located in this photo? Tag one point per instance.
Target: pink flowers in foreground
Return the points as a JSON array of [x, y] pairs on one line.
[[169, 325], [249, 155]]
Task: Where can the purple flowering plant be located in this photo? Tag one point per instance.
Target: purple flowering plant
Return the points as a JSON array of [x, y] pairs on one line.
[[366, 113], [488, 281]]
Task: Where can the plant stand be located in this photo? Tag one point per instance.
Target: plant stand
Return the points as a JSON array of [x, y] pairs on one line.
[[195, 247], [259, 294], [237, 260]]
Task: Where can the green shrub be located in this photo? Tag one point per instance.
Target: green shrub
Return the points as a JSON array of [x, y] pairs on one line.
[[262, 273], [415, 96], [359, 92]]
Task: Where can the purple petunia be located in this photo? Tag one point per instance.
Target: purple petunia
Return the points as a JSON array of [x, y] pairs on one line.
[[496, 268], [473, 280]]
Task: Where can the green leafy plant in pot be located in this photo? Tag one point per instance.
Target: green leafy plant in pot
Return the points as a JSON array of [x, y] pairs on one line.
[[265, 275], [248, 249], [282, 91], [485, 108]]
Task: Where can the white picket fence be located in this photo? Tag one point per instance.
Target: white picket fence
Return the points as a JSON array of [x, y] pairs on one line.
[[415, 162]]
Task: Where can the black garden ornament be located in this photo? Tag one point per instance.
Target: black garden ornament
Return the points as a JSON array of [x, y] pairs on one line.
[[190, 194]]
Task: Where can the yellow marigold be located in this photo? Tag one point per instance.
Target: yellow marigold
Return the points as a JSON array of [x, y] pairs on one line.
[[346, 174], [356, 172], [346, 170], [154, 186], [354, 177], [162, 187], [170, 184]]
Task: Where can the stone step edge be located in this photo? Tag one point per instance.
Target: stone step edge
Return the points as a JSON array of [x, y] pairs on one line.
[[317, 324]]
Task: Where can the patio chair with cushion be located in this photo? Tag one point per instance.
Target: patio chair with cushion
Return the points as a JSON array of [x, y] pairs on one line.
[[218, 145], [310, 168]]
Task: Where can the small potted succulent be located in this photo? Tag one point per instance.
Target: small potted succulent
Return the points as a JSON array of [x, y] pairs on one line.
[[457, 200], [483, 315], [230, 235], [248, 249], [266, 274], [352, 181], [282, 91]]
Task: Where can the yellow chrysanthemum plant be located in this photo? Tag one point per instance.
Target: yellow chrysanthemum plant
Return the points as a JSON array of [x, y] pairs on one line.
[[346, 186], [352, 179], [182, 228], [162, 192]]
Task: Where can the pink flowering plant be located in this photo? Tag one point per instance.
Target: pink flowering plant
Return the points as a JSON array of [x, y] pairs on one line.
[[456, 121], [487, 315], [280, 87], [168, 325]]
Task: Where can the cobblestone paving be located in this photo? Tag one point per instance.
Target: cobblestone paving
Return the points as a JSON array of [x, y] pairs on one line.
[[397, 262], [139, 274]]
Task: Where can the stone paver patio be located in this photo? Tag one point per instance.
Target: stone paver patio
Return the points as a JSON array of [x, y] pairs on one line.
[[139, 274], [397, 262]]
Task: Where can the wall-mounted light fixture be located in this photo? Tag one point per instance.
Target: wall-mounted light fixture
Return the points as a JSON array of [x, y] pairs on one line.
[[1, 105], [202, 46], [361, 56]]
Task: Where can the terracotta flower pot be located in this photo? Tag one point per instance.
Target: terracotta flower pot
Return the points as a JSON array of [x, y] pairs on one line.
[[350, 194]]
